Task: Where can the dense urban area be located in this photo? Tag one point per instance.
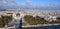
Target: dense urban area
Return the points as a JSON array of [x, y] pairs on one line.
[[29, 17]]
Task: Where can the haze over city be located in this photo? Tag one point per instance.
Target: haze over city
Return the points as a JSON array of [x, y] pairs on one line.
[[30, 4]]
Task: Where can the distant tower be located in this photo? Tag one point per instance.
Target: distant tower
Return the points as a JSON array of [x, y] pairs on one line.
[[28, 2]]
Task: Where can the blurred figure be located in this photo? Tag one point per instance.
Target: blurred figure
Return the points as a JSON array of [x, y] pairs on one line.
[[20, 25]]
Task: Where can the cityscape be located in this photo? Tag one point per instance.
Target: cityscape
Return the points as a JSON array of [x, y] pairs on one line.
[[29, 14], [47, 15]]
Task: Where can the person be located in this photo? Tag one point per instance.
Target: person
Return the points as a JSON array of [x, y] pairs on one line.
[[20, 25]]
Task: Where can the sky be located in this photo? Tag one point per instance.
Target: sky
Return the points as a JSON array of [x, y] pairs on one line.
[[30, 4], [39, 1]]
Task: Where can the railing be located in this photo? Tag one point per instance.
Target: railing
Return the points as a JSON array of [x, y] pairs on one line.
[[40, 25]]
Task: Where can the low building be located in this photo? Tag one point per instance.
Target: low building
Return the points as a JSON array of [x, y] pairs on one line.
[[50, 18]]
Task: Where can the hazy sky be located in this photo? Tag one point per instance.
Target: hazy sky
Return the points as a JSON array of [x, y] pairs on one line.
[[43, 4], [39, 1]]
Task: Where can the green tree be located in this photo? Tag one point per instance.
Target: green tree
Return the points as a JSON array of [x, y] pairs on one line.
[[5, 20], [34, 20]]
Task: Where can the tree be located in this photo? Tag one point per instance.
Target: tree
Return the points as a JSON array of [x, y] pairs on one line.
[[39, 20], [5, 20], [33, 20]]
